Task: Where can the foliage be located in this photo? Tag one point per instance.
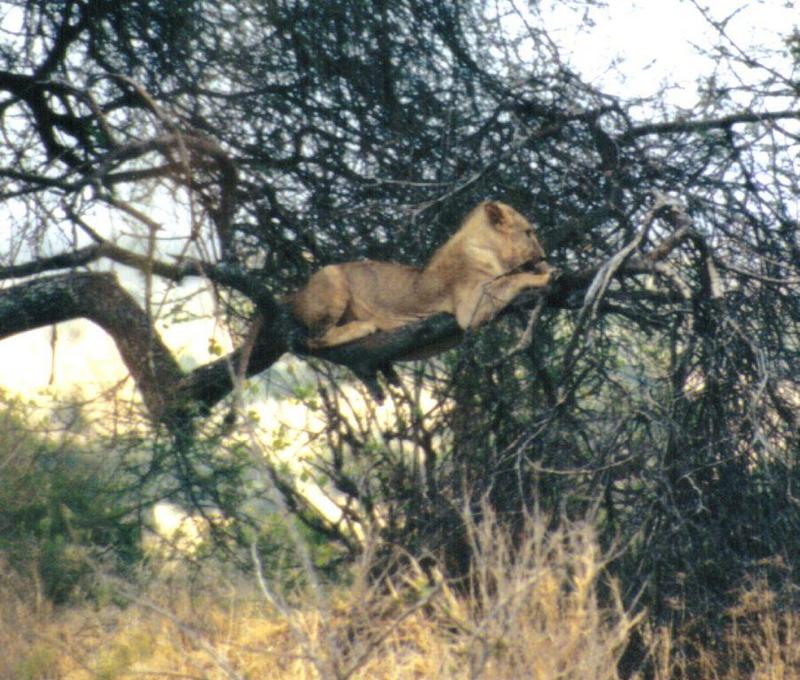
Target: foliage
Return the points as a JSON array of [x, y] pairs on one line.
[[659, 397], [60, 508]]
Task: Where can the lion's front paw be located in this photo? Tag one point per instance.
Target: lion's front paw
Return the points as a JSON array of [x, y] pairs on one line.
[[554, 274]]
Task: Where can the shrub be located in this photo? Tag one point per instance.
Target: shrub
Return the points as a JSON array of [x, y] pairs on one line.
[[60, 506]]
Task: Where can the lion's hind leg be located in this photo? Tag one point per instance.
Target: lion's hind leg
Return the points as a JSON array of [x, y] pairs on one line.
[[321, 304], [325, 304], [357, 329], [339, 335]]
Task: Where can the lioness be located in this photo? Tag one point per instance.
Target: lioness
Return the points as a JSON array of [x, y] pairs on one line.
[[469, 276]]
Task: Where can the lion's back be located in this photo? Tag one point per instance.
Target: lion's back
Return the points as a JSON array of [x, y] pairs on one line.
[[382, 288]]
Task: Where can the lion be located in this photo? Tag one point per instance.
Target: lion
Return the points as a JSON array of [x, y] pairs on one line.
[[472, 276]]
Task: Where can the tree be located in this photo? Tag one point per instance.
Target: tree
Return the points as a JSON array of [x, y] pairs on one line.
[[659, 389]]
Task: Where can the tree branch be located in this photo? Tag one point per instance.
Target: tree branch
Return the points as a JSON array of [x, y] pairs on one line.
[[99, 298], [681, 126], [173, 397], [169, 395]]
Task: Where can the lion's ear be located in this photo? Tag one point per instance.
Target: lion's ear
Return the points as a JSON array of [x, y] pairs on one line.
[[494, 214]]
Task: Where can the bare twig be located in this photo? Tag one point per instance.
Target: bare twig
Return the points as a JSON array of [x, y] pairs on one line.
[[607, 272]]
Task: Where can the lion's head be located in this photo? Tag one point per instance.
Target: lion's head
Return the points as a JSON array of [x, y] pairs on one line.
[[508, 234]]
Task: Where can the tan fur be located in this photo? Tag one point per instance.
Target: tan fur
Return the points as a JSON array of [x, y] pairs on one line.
[[469, 276]]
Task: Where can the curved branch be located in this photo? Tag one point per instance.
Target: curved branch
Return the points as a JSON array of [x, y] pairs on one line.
[[76, 258], [99, 298], [225, 274], [169, 395]]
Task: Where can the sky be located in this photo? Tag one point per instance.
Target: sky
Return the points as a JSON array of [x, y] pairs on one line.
[[633, 47], [636, 45]]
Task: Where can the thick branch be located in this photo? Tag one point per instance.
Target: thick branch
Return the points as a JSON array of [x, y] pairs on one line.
[[99, 298], [209, 384], [168, 394]]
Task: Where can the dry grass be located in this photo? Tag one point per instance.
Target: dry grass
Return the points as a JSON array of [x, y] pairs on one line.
[[530, 612], [533, 612], [761, 641]]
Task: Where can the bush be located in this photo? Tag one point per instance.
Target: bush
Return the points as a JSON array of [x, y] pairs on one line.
[[60, 507]]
